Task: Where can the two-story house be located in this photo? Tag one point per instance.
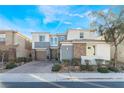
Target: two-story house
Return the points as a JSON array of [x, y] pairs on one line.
[[15, 44], [46, 45], [83, 43], [73, 44]]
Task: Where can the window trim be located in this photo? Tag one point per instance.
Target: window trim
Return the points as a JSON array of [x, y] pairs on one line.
[[2, 37], [42, 40], [53, 41], [81, 35]]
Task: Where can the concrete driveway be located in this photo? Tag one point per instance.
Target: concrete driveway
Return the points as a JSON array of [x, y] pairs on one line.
[[33, 67]]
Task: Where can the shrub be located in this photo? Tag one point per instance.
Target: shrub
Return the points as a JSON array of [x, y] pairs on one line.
[[11, 65], [66, 62], [75, 62], [56, 67], [90, 68], [23, 59], [82, 67], [122, 67], [110, 62], [102, 69], [12, 60], [113, 69], [28, 59], [87, 63]]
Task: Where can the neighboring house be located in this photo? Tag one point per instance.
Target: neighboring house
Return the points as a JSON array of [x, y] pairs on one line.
[[16, 44], [82, 43], [120, 53], [46, 45]]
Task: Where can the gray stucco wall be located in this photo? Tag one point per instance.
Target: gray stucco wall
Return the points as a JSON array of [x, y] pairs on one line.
[[66, 52]]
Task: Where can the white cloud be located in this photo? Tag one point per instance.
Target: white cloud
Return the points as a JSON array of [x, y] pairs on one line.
[[29, 22], [17, 25], [68, 23], [60, 13], [81, 15], [77, 15], [78, 28], [6, 24], [105, 10], [87, 13], [90, 16], [51, 12]]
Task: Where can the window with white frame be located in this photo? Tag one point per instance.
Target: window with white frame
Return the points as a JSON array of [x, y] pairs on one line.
[[81, 35], [62, 38], [41, 38], [53, 41], [2, 37]]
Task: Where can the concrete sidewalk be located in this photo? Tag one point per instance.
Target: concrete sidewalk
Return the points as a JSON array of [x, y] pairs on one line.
[[61, 77]]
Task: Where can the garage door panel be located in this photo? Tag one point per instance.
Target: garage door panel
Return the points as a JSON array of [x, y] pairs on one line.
[[41, 55]]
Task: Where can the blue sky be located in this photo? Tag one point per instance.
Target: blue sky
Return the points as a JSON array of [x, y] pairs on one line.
[[53, 19]]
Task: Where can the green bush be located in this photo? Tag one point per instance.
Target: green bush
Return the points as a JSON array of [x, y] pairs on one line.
[[87, 67], [28, 59], [23, 59], [87, 64], [66, 62], [122, 67], [12, 60], [103, 70], [90, 68], [110, 62], [113, 69], [11, 65], [76, 62], [56, 67], [82, 67]]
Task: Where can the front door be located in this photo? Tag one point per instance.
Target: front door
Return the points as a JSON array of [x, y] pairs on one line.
[[90, 50]]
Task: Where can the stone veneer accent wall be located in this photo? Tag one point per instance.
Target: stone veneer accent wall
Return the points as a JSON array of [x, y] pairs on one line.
[[79, 50]]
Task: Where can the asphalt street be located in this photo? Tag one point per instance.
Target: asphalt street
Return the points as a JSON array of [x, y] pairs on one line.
[[62, 85]]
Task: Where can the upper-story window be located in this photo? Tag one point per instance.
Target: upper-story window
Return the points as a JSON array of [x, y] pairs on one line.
[[54, 41], [2, 37], [62, 38], [42, 38], [51, 40], [81, 35]]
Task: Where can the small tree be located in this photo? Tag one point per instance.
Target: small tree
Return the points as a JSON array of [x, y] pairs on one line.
[[4, 51], [111, 26]]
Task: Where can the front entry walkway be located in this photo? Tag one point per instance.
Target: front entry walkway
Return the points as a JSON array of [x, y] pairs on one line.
[[33, 67]]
